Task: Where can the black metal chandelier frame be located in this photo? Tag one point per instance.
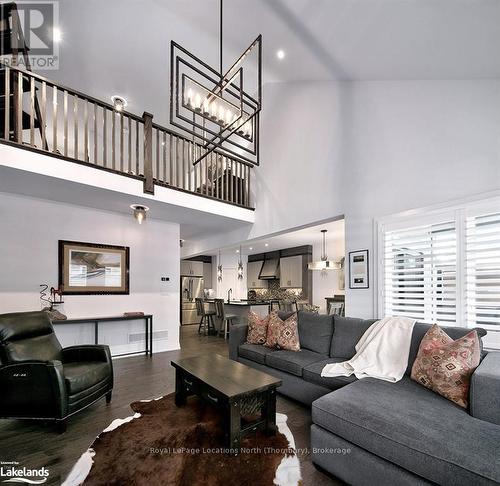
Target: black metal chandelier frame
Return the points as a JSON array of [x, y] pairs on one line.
[[237, 137]]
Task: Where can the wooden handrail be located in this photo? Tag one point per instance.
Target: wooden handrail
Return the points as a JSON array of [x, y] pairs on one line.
[[84, 129]]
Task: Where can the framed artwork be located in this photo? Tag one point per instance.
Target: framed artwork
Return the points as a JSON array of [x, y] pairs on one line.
[[358, 269], [89, 268]]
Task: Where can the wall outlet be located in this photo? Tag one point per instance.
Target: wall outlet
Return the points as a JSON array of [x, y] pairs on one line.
[[165, 279]]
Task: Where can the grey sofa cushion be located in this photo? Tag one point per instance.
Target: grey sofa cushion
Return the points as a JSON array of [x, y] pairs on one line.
[[414, 428], [292, 361], [485, 389], [254, 352], [421, 328], [312, 374], [347, 331], [315, 332]]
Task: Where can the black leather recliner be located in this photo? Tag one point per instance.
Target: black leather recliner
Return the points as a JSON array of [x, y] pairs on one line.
[[41, 380]]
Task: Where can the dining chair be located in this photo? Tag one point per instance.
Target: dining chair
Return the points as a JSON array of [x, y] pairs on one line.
[[226, 320]]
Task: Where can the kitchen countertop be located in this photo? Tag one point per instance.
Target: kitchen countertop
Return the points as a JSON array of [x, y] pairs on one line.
[[241, 303]]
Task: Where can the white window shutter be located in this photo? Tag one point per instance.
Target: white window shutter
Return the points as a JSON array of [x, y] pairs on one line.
[[483, 271], [420, 272]]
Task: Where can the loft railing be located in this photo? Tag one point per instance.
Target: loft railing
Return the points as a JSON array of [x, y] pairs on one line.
[[41, 115]]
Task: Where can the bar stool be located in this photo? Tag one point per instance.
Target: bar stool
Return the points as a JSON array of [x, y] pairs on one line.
[[288, 306], [207, 317], [226, 319], [272, 304]]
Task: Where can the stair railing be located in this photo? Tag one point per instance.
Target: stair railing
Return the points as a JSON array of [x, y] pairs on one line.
[[83, 129]]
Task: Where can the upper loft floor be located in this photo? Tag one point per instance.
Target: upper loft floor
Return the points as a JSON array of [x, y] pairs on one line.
[[41, 115]]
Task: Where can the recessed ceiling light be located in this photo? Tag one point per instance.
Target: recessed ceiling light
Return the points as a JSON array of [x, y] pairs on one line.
[[280, 54], [119, 102], [267, 244], [237, 251], [250, 248], [57, 34]]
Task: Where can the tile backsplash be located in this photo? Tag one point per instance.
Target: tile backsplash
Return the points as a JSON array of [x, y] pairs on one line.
[[274, 291]]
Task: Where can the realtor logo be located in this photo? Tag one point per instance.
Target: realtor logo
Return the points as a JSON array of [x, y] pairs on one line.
[[30, 30], [10, 473]]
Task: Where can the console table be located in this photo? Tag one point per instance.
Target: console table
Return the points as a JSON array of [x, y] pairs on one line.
[[148, 325]]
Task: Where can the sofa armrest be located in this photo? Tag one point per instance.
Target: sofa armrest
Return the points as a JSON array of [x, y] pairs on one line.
[[86, 352], [33, 389], [485, 389], [237, 336]]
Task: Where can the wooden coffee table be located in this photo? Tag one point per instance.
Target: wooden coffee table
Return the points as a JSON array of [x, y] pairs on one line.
[[237, 389]]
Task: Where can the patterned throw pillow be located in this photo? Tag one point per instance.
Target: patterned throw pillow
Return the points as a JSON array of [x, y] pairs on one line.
[[283, 334], [445, 366], [257, 328], [273, 330]]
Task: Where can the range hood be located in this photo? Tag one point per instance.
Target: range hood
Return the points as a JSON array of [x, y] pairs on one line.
[[270, 270]]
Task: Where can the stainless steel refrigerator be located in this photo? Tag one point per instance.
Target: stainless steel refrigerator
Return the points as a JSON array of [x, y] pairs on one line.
[[191, 288]]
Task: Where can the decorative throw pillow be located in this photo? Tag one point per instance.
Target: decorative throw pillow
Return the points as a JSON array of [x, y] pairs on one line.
[[283, 334], [257, 329], [273, 330], [445, 366]]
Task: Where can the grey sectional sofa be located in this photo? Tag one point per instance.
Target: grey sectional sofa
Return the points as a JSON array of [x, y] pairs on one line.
[[369, 431]]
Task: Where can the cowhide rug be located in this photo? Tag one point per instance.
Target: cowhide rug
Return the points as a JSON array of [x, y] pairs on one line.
[[162, 444]]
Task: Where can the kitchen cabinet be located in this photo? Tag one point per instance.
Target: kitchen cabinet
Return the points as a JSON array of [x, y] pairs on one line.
[[291, 272], [207, 275], [253, 270], [191, 269]]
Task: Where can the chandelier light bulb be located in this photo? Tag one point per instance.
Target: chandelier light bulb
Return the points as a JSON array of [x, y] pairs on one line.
[[213, 111], [189, 97], [206, 107], [197, 101], [221, 114]]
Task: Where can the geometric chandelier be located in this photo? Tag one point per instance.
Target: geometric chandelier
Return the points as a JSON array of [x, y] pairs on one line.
[[215, 106]]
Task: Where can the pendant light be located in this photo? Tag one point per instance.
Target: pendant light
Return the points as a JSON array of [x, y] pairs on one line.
[[324, 263], [240, 267], [219, 268]]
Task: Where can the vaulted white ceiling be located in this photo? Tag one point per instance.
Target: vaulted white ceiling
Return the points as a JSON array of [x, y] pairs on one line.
[[122, 46]]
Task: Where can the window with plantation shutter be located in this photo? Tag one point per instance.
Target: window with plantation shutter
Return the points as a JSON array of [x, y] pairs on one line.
[[442, 265], [482, 250], [420, 272]]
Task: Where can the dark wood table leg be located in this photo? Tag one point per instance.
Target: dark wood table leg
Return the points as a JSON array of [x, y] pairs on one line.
[[96, 332], [180, 389], [269, 412], [146, 325], [234, 427]]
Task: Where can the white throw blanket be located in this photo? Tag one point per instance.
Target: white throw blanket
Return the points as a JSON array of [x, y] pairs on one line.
[[382, 352]]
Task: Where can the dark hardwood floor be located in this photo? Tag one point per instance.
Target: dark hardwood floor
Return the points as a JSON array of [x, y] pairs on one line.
[[36, 445]]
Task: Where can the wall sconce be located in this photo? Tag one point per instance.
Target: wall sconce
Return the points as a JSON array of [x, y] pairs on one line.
[[139, 212]]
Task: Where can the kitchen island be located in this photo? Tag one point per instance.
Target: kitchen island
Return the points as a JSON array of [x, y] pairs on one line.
[[241, 308]]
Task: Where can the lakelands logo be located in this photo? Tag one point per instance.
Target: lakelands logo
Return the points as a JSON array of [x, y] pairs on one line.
[[11, 473]]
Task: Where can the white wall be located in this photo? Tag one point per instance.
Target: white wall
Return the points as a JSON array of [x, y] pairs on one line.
[[327, 283], [369, 149], [30, 230], [230, 276], [410, 145]]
